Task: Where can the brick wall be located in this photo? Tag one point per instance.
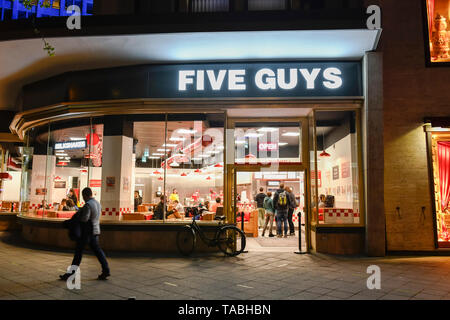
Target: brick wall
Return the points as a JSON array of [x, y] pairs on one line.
[[411, 92]]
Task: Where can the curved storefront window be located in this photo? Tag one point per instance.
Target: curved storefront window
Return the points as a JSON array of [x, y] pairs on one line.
[[160, 168]]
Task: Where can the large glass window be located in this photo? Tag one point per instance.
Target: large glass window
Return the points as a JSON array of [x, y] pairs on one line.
[[438, 13], [58, 161], [337, 175], [10, 177]]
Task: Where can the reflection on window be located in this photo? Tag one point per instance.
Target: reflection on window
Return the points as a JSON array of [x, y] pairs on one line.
[[438, 29], [337, 175], [268, 143]]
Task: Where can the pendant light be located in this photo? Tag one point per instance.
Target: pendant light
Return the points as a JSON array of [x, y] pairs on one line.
[[324, 153], [183, 174], [218, 165], [197, 171]]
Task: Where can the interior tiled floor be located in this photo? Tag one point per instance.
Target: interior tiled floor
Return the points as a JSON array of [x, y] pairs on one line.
[[28, 272]]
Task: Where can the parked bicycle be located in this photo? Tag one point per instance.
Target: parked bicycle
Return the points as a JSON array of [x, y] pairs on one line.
[[228, 238]]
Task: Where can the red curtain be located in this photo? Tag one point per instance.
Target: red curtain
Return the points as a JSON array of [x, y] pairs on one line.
[[430, 9], [444, 172]]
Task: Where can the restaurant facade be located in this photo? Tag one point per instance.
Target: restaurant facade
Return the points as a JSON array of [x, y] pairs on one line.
[[215, 123]]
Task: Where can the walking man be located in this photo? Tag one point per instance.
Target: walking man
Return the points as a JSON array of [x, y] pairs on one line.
[[281, 203], [292, 206], [88, 218]]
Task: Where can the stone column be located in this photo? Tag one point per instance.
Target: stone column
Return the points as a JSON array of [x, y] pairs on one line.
[[373, 154], [117, 167]]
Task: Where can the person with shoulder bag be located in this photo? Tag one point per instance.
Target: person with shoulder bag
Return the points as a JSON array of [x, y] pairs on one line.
[[84, 228], [281, 204]]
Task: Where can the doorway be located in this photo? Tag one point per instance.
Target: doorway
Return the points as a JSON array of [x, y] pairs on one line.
[[266, 153], [262, 229]]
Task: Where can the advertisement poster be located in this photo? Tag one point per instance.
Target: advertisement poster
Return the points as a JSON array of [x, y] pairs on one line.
[[41, 191], [60, 184], [345, 167], [111, 182], [335, 172]]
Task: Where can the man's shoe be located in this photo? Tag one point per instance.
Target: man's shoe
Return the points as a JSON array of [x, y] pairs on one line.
[[279, 236], [285, 235], [292, 234], [262, 235], [65, 276], [104, 276], [271, 235]]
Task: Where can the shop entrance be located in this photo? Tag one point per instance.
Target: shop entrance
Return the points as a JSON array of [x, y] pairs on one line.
[[263, 156], [254, 187]]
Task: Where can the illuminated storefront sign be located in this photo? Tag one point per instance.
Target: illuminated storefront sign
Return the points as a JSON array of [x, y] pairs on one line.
[[70, 145], [270, 146], [283, 79]]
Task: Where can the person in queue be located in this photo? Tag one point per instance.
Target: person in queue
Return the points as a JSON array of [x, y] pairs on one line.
[[259, 198], [281, 205], [137, 200], [72, 196], [292, 206], [89, 219], [270, 213]]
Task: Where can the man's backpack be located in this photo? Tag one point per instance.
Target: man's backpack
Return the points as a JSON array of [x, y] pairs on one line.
[[282, 200]]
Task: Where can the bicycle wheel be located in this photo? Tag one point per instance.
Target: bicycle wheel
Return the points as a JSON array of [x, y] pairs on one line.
[[231, 240], [186, 240]]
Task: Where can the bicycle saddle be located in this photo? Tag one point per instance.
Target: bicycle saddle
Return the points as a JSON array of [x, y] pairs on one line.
[[221, 218]]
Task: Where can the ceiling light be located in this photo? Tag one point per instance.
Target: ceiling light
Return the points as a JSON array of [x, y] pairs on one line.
[[204, 156], [177, 139], [76, 139], [291, 134], [239, 142], [162, 150], [220, 147], [169, 145], [174, 164], [213, 152], [253, 135], [281, 144], [196, 159], [153, 157], [157, 154], [186, 131], [265, 129]]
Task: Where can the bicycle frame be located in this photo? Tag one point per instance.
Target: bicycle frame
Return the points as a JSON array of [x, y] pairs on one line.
[[205, 239]]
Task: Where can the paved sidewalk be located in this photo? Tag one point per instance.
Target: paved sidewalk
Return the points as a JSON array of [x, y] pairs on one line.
[[30, 273]]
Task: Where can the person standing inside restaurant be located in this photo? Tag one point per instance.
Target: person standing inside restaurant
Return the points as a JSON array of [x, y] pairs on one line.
[[292, 206], [270, 213], [158, 213], [174, 196], [89, 219], [72, 196], [137, 200], [215, 205], [259, 198], [281, 204]]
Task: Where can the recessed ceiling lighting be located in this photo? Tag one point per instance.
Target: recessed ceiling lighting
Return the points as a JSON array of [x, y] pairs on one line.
[[266, 129], [196, 159], [153, 157], [280, 144], [220, 147], [253, 135], [177, 139], [239, 142], [186, 131], [204, 156], [213, 152], [157, 154], [291, 134], [76, 139], [162, 150], [169, 145]]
